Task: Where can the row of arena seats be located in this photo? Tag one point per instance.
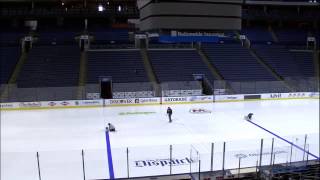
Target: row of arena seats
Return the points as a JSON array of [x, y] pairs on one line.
[[9, 59], [285, 62], [178, 65], [102, 36], [236, 63], [50, 66], [294, 172], [54, 66], [123, 66], [257, 34], [284, 35], [65, 37]]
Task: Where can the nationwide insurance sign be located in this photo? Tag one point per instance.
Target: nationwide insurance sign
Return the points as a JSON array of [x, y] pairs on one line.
[[179, 37]]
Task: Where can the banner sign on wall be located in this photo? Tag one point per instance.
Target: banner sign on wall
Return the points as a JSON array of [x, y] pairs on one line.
[[149, 101], [174, 99], [132, 101], [229, 97], [200, 99]]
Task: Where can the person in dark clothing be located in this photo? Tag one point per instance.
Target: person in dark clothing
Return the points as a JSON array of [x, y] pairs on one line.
[[169, 112], [111, 127], [250, 116]]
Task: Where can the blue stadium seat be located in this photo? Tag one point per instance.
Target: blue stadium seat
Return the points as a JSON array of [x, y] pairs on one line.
[[284, 62], [257, 34], [178, 65], [236, 63], [108, 35], [289, 36], [123, 66], [51, 66], [9, 59]]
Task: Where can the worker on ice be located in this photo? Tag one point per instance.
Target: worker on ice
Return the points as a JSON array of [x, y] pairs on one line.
[[111, 127], [249, 116], [169, 112]]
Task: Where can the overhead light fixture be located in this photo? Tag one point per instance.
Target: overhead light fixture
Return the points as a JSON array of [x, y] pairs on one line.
[[100, 8]]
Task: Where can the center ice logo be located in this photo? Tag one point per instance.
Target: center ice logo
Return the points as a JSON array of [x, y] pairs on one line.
[[163, 162]]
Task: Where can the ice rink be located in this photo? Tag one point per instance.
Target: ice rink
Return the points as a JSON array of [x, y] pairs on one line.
[[60, 135]]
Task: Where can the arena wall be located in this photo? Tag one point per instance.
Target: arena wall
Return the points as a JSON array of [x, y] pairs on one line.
[[154, 101]]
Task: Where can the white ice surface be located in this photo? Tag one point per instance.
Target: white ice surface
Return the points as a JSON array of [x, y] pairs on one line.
[[60, 135]]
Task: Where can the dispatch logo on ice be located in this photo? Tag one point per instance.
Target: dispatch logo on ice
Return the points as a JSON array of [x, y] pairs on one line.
[[164, 162]]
